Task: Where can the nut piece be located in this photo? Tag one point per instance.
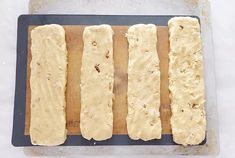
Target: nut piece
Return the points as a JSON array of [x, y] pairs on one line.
[[107, 54], [181, 27], [97, 68], [94, 43]]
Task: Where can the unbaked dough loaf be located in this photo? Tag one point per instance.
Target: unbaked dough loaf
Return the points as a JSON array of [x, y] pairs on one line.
[[97, 77], [186, 83], [143, 119], [48, 83]]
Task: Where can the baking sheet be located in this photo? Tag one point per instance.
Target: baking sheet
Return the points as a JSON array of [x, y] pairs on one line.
[[75, 48], [200, 8]]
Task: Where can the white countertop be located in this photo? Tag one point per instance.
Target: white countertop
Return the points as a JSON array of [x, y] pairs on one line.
[[223, 23]]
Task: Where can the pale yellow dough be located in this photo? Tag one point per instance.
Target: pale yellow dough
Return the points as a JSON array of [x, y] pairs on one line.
[[143, 119], [97, 78], [186, 82], [48, 84]]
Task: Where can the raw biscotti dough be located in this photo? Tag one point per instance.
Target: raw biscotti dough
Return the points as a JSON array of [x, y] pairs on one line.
[[97, 78], [48, 83], [143, 119], [186, 83]]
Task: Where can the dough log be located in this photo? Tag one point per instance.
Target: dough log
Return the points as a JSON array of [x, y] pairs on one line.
[[97, 78], [186, 81], [48, 83], [143, 119]]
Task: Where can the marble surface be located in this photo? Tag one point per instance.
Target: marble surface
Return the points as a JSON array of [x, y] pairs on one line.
[[224, 40]]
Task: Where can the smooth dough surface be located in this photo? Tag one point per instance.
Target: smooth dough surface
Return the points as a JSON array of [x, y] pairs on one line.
[[97, 77], [143, 119], [48, 83], [186, 81]]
